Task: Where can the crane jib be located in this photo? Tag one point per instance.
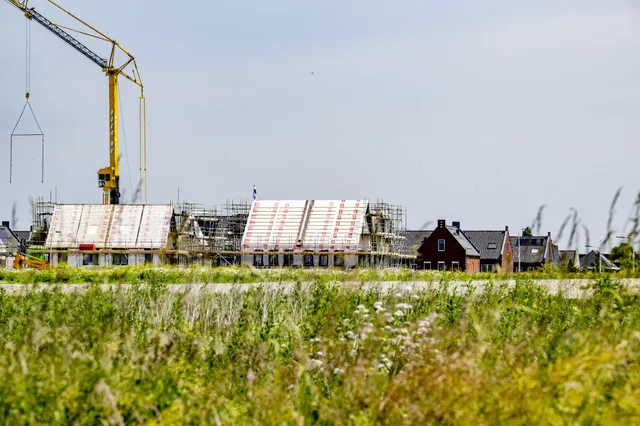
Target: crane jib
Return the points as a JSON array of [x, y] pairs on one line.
[[68, 38]]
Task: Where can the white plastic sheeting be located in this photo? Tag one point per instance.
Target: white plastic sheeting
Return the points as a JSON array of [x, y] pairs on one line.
[[154, 226], [125, 226], [335, 225], [108, 226], [273, 225], [63, 229], [94, 224], [328, 225]]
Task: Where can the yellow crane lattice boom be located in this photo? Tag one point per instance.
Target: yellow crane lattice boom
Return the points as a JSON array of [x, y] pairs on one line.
[[108, 177]]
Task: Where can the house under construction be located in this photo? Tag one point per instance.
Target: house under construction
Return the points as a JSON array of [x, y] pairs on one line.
[[302, 233]]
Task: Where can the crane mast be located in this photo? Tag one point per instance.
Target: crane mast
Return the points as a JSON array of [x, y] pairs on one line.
[[108, 177]]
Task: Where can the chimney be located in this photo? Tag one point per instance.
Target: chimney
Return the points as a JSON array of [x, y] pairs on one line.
[[441, 223], [506, 228], [456, 225], [6, 224], [549, 234]]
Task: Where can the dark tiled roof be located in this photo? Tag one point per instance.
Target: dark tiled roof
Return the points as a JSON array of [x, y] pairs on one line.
[[488, 243], [8, 241], [412, 241], [568, 255], [531, 249], [589, 261], [470, 249], [23, 235]]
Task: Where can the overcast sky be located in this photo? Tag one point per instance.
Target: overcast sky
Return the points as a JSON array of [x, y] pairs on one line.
[[463, 110]]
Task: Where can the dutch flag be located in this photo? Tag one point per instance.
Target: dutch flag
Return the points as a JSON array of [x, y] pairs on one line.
[[255, 192]]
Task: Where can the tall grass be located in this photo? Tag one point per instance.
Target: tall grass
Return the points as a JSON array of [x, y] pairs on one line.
[[243, 274], [321, 354]]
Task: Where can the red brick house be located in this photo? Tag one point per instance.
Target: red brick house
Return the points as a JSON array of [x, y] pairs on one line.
[[496, 251], [448, 248]]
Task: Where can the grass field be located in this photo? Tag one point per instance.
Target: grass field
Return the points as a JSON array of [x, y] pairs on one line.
[[321, 355], [243, 274]]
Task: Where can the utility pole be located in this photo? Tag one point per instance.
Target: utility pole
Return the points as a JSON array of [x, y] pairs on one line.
[[519, 244]]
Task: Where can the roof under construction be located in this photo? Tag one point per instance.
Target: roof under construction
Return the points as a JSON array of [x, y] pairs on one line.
[[305, 225], [110, 226]]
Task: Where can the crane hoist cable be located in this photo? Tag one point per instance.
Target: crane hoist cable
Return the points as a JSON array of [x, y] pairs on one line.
[[108, 177], [15, 134]]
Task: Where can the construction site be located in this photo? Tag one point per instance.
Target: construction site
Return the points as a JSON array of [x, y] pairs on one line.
[[262, 234]]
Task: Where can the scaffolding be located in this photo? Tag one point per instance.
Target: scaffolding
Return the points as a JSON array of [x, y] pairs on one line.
[[213, 236], [42, 212], [385, 226], [209, 235]]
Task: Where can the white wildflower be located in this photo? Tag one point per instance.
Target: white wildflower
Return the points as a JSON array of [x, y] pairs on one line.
[[319, 354], [338, 371], [316, 363], [317, 340], [353, 352], [404, 306], [398, 313], [415, 297], [349, 334]]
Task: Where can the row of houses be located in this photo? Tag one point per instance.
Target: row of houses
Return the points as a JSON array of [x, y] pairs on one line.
[[277, 233], [449, 247]]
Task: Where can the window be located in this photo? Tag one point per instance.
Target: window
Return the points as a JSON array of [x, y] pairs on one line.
[[63, 258], [534, 250], [492, 246], [324, 260], [257, 260], [338, 260], [274, 262], [148, 258], [440, 245], [455, 266], [441, 266], [486, 268], [426, 266], [308, 260], [90, 259], [288, 259], [120, 259]]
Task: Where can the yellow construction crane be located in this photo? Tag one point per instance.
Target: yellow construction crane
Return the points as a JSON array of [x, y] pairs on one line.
[[108, 177]]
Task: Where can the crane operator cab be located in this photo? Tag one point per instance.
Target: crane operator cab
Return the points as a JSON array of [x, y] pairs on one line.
[[109, 184]]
